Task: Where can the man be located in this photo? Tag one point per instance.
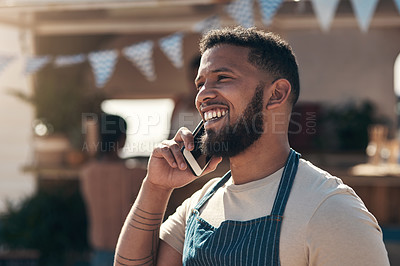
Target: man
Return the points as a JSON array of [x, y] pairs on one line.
[[108, 188], [272, 208]]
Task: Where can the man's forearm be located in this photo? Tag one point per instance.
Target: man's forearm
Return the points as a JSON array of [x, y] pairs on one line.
[[139, 238]]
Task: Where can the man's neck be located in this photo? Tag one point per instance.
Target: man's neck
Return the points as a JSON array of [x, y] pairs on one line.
[[259, 161]]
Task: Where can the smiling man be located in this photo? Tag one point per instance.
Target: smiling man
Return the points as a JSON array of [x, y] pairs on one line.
[[271, 208]]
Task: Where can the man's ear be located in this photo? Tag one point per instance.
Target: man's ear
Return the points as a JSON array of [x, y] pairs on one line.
[[280, 93]]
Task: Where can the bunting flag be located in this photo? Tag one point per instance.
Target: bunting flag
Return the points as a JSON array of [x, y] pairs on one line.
[[172, 46], [141, 55], [208, 24], [364, 10], [268, 9], [4, 61], [325, 11], [103, 65], [242, 12], [397, 2], [68, 60], [35, 63]]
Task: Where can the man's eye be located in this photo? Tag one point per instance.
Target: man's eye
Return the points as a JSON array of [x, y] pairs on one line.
[[222, 77]]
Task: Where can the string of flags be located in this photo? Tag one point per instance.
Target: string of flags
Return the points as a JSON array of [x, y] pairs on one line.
[[141, 54], [268, 10], [5, 60], [242, 12], [325, 11], [364, 10], [69, 60], [172, 48], [34, 63], [103, 65]]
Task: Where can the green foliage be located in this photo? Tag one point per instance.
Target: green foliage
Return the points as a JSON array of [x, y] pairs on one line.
[[53, 223], [60, 101], [60, 97], [346, 127]]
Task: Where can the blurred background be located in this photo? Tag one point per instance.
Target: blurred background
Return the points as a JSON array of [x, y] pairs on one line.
[[63, 64]]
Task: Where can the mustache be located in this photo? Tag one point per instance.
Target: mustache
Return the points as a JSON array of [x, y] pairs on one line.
[[211, 102]]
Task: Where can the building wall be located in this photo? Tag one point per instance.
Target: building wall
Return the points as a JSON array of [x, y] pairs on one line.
[[346, 64], [15, 123]]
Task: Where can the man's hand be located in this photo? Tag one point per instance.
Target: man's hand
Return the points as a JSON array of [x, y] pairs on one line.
[[167, 168]]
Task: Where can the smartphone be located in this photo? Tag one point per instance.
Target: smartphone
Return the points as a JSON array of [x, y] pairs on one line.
[[196, 160]]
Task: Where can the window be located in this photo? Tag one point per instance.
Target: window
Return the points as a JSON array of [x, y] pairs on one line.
[[397, 76], [148, 123]]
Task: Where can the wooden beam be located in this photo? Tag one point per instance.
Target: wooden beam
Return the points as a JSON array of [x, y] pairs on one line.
[[82, 5], [153, 26], [22, 20], [98, 26]]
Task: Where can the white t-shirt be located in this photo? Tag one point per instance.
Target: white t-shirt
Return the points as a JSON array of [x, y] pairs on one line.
[[325, 222]]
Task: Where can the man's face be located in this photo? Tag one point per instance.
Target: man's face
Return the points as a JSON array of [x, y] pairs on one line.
[[238, 136], [230, 100]]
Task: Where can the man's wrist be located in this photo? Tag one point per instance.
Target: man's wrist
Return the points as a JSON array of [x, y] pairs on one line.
[[155, 188]]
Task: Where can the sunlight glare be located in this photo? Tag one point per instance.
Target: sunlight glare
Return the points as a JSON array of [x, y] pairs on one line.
[[148, 123]]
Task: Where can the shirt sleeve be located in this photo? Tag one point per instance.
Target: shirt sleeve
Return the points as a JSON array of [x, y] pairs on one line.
[[172, 231], [343, 232]]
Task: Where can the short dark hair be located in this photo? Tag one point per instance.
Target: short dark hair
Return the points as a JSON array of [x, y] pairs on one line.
[[111, 129], [268, 52]]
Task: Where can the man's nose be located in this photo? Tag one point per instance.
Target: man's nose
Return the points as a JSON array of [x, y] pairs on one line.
[[206, 92]]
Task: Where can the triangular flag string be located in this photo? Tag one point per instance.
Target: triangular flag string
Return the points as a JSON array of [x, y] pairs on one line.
[[325, 11], [36, 63], [172, 46], [69, 60], [397, 2], [103, 65], [242, 12], [141, 55], [5, 60], [268, 9], [364, 10]]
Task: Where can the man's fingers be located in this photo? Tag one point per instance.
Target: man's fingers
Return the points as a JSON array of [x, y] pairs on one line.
[[171, 152], [212, 165], [185, 135], [163, 151], [176, 151]]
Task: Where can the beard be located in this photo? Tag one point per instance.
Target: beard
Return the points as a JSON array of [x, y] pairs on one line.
[[234, 139]]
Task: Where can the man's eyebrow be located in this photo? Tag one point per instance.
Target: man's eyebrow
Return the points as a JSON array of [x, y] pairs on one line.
[[221, 69]]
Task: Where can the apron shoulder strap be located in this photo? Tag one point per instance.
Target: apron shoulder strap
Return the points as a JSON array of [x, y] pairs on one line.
[[210, 193], [286, 183], [284, 188]]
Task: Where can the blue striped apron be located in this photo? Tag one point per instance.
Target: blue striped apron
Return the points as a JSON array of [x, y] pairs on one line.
[[253, 242]]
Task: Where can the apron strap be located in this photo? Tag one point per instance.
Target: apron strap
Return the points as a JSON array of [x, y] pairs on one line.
[[285, 185], [210, 193]]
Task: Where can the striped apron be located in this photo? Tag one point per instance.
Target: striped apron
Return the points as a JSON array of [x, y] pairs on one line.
[[253, 242]]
